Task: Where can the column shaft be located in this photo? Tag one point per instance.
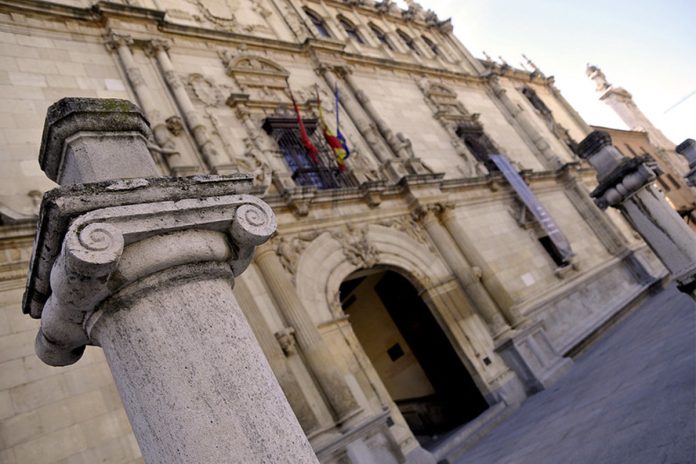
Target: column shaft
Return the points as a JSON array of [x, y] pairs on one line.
[[215, 401], [309, 339]]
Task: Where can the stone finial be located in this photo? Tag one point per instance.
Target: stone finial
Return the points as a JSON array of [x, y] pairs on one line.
[[91, 140]]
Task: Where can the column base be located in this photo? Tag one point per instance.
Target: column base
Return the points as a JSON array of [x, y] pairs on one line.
[[530, 355]]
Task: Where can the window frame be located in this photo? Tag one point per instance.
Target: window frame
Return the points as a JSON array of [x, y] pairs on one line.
[[319, 24], [351, 29]]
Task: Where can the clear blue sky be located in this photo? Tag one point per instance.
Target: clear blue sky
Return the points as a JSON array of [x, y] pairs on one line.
[[647, 47]]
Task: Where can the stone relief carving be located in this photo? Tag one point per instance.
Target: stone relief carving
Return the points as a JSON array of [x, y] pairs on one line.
[[174, 125], [286, 340], [258, 78], [218, 12], [410, 227], [289, 249], [357, 247], [205, 89]]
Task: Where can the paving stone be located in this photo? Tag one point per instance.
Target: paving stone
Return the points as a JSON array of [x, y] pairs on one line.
[[630, 398]]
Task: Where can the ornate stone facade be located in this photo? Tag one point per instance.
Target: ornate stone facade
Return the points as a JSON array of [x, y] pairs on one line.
[[421, 214]]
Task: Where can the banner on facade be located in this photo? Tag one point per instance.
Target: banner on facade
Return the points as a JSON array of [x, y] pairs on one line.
[[534, 205]]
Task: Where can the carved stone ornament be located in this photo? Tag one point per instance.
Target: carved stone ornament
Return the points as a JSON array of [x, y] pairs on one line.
[[286, 340], [174, 125], [258, 77], [218, 12], [289, 249], [357, 248], [409, 226], [91, 264], [205, 90]]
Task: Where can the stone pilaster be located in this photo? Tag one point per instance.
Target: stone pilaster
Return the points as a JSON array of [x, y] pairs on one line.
[[550, 159], [367, 130], [144, 268], [468, 277], [313, 346], [688, 150], [626, 184], [283, 355], [217, 162], [372, 113], [168, 150], [486, 276]]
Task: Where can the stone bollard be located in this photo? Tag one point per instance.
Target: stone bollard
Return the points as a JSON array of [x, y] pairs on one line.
[[627, 185], [688, 150], [144, 268]]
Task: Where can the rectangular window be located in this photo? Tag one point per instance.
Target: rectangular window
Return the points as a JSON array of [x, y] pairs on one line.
[[553, 252], [322, 173]]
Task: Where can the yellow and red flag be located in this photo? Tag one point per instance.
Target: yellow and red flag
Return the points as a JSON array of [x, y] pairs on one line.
[[334, 142]]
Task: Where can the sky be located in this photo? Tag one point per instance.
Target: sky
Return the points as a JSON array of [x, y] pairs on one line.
[[648, 47]]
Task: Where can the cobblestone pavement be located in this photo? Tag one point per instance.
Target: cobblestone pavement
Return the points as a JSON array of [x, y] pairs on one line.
[[629, 398]]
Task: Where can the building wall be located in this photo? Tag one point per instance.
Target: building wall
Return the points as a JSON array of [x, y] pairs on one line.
[[399, 112]]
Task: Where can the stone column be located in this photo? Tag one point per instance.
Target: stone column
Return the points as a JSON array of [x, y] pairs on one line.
[[217, 162], [626, 184], [121, 43], [550, 160], [313, 346], [486, 276], [688, 150], [144, 268], [467, 277], [605, 230]]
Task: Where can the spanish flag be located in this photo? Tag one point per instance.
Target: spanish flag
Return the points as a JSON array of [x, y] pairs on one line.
[[334, 142], [309, 147]]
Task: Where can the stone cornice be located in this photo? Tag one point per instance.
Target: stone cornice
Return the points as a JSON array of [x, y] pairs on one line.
[[104, 10]]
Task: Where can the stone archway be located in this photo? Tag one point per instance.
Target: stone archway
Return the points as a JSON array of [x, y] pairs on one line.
[[333, 257], [410, 352]]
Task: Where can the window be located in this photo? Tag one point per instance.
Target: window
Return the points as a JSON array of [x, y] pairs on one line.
[[319, 23], [381, 36], [408, 41], [322, 174], [432, 45], [351, 30], [553, 252], [478, 143], [536, 102]]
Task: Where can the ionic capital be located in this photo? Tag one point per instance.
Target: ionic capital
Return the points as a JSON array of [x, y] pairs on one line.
[[115, 40], [152, 47], [107, 249]]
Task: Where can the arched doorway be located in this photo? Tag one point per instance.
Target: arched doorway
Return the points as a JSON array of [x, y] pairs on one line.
[[411, 353]]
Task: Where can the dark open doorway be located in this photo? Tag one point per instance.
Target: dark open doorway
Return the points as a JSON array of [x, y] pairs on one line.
[[411, 353]]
